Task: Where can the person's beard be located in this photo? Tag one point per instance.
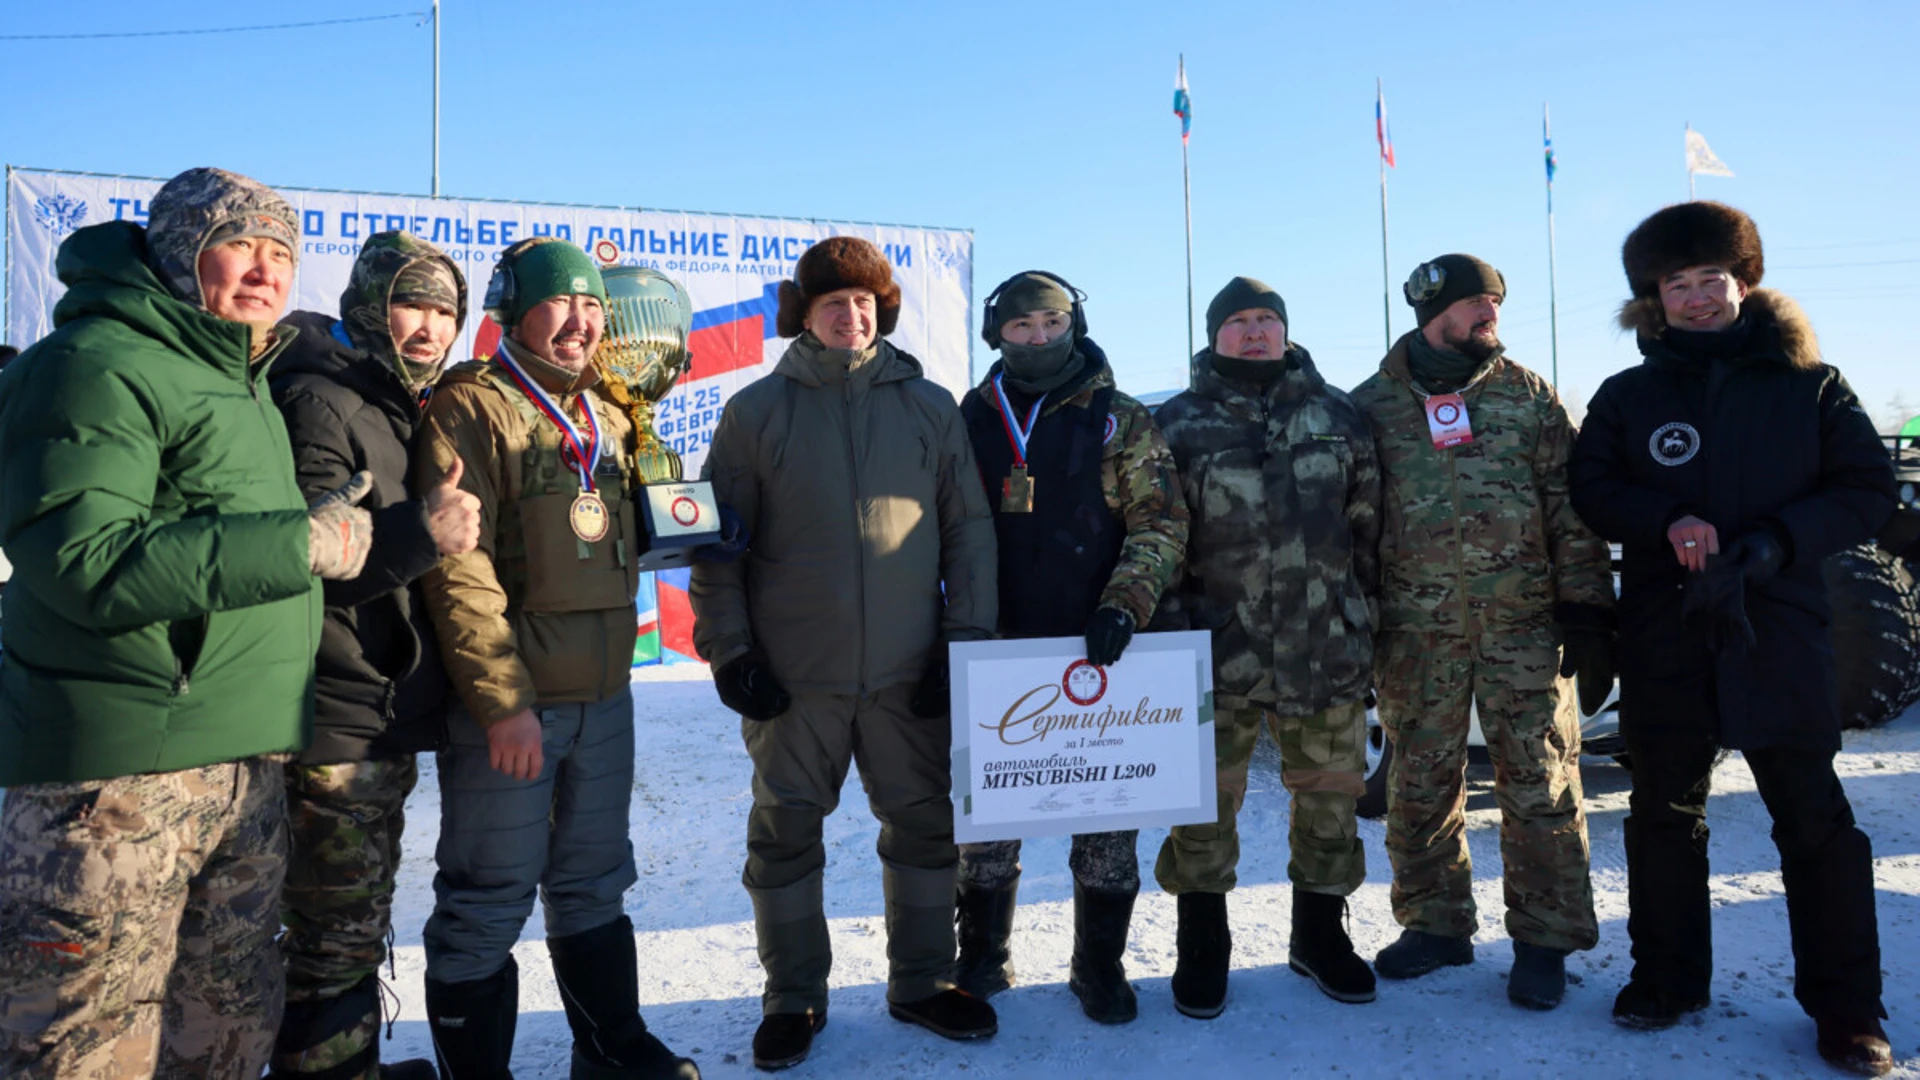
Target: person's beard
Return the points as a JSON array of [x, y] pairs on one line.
[[1472, 347]]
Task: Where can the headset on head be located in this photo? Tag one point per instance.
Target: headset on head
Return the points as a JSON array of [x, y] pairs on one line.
[[503, 289], [1425, 283], [990, 319]]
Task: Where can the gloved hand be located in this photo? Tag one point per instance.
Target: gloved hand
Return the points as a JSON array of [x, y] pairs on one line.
[[933, 698], [1715, 601], [733, 539], [339, 533], [1759, 554], [1108, 633], [747, 686], [1587, 651]]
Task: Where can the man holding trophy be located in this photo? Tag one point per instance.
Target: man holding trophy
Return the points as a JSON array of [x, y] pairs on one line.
[[536, 628]]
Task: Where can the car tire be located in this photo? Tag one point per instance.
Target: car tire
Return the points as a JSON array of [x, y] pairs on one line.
[[1876, 635], [1373, 804]]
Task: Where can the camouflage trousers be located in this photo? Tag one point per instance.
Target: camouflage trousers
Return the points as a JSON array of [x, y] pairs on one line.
[[1101, 862], [346, 820], [1323, 759], [1429, 685], [137, 920]]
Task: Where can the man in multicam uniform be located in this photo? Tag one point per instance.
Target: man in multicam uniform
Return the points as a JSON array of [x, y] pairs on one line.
[[1089, 537], [1486, 572], [536, 629], [1279, 473], [351, 390], [159, 641]]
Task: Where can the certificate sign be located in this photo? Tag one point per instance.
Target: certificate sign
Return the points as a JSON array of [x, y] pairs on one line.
[[1046, 744]]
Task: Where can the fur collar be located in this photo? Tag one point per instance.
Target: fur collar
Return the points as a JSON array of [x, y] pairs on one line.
[[1646, 317]]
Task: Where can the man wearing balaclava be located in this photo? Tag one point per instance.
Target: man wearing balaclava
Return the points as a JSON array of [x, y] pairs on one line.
[[1091, 530], [158, 660], [351, 389], [1493, 593], [1279, 471]]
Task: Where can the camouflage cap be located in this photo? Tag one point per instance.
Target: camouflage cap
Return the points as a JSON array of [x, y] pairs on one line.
[[393, 267], [206, 207]]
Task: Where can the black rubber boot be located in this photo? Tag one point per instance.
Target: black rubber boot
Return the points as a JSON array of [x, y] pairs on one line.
[[1539, 976], [1206, 951], [953, 1014], [1098, 975], [785, 1039], [472, 1024], [1643, 1007], [1321, 950], [983, 920], [1418, 953], [311, 1033], [599, 979]]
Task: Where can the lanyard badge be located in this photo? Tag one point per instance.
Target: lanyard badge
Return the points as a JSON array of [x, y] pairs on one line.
[[1016, 491], [1447, 421], [588, 515]]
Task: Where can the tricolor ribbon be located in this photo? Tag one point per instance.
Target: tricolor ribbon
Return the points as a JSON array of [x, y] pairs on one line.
[[1016, 434], [586, 451]]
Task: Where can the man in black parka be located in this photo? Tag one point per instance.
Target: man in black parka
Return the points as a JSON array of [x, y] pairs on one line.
[[1728, 465], [351, 390]]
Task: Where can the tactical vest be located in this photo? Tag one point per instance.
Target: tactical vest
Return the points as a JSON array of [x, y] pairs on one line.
[[542, 565], [1055, 561]]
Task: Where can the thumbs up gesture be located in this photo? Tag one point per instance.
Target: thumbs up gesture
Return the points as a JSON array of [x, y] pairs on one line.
[[453, 516], [339, 533]]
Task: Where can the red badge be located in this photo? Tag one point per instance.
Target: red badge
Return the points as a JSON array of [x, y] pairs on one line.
[[1084, 683], [1447, 420]]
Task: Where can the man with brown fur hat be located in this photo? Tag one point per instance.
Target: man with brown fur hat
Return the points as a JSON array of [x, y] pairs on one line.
[[1728, 465], [873, 547]]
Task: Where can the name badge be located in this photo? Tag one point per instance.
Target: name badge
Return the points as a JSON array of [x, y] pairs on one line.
[[1447, 420]]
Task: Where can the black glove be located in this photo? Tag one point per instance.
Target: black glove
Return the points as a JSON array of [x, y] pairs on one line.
[[747, 686], [933, 698], [1108, 633], [733, 539], [1715, 602], [1759, 554], [1587, 652]]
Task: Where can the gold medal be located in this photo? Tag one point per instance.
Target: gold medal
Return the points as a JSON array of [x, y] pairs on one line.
[[1016, 492], [588, 516]]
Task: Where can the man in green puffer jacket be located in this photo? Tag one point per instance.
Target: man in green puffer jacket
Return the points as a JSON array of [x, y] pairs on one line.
[[159, 645]]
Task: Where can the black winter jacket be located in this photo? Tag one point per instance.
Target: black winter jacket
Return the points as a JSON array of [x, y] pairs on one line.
[[1769, 437], [381, 690]]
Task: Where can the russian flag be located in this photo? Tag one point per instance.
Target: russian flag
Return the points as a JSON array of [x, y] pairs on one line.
[[1380, 129], [1182, 102]]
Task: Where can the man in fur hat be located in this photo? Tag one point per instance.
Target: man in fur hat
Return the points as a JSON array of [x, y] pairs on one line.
[[873, 547], [1728, 465]]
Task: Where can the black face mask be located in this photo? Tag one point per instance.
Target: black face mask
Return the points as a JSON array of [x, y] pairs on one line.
[[1040, 369], [1261, 372]]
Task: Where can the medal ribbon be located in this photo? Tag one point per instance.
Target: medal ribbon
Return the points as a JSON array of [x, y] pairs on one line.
[[586, 450], [1016, 434]]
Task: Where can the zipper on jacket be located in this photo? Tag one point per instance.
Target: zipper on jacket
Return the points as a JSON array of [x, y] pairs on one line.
[[179, 679], [386, 706]]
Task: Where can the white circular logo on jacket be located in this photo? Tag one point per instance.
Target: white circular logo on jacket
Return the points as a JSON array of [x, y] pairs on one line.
[[1674, 444]]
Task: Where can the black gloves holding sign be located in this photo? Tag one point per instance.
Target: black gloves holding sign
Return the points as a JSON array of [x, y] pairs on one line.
[[1587, 652], [1108, 633]]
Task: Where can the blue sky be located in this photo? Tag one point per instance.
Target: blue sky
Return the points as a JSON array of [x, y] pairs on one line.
[[1048, 130]]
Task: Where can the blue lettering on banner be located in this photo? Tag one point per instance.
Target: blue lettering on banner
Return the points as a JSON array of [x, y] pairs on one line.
[[313, 223], [462, 233], [483, 233], [349, 224], [506, 232], [899, 254], [442, 231]]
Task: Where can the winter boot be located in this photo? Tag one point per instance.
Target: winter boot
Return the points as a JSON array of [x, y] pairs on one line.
[[1419, 953], [1099, 978], [1644, 1007], [954, 1014], [472, 1024], [1206, 951], [784, 1039], [410, 1069], [599, 979], [1321, 950], [983, 919], [1855, 1044], [1539, 976], [337, 1038]]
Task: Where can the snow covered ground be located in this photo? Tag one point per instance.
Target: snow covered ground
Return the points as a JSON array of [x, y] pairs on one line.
[[700, 977]]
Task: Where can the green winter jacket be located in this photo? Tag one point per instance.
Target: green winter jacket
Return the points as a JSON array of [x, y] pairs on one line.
[[1480, 536], [161, 614]]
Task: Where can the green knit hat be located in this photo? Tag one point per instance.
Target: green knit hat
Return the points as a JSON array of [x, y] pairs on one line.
[[1240, 294], [539, 269]]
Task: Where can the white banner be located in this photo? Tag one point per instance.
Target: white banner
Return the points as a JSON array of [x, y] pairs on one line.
[[1047, 744], [732, 267]]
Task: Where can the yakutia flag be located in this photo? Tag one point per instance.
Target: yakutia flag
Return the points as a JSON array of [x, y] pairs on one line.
[[1182, 103], [1380, 129]]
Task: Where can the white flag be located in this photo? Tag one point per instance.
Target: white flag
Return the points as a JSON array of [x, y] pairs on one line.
[[1701, 158]]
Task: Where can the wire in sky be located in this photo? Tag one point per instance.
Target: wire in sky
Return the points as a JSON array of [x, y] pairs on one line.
[[216, 30]]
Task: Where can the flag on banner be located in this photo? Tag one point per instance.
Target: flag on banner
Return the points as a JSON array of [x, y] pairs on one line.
[[1701, 158], [1182, 103], [1546, 133], [1380, 129]]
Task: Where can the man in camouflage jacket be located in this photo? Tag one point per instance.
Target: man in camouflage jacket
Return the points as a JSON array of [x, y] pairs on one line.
[[1485, 573], [1086, 547], [1279, 474]]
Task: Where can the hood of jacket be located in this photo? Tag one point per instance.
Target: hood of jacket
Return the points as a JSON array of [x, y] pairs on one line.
[[810, 363], [1781, 331], [368, 298]]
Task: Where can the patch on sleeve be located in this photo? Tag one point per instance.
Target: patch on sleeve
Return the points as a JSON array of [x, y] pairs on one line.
[[1113, 426]]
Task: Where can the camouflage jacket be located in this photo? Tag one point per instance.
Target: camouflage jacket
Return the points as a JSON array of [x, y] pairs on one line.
[[1139, 486], [1482, 535], [1285, 495]]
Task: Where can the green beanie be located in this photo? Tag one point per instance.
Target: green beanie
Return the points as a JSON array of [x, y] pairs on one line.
[[1240, 294], [539, 269]]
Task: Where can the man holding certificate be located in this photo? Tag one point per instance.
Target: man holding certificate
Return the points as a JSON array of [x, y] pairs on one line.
[[1091, 531]]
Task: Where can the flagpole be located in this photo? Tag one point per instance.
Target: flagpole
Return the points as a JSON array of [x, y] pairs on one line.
[[1186, 184], [436, 98], [1386, 274], [1553, 286]]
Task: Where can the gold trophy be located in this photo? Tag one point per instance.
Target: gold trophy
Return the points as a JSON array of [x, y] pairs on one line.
[[642, 356]]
